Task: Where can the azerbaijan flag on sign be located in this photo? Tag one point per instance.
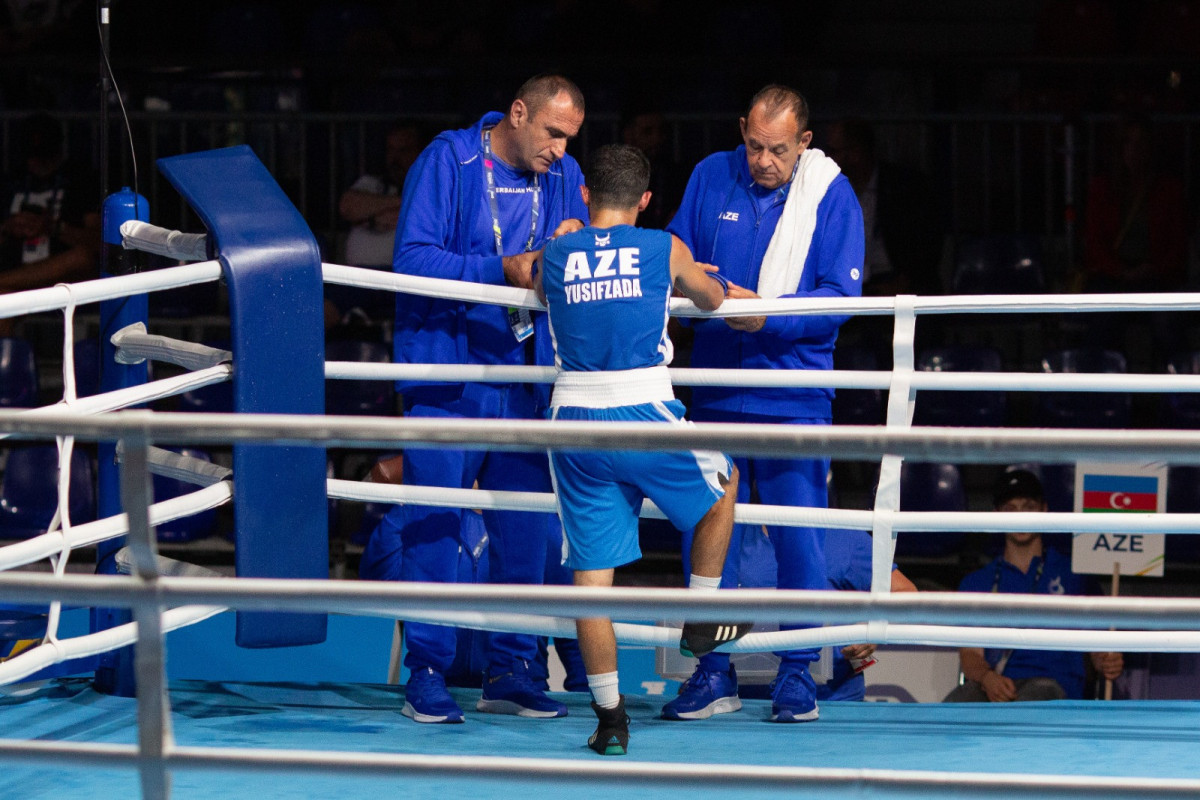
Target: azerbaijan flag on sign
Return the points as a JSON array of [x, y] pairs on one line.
[[1120, 493]]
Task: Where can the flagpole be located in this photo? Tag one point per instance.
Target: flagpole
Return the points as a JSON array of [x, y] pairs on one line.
[[1116, 584]]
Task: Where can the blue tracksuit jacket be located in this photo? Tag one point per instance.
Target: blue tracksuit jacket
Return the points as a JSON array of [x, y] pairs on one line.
[[445, 231], [727, 220]]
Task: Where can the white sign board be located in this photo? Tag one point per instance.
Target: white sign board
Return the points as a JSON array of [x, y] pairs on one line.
[[1119, 489]]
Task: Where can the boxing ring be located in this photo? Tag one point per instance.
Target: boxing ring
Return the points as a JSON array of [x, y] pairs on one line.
[[206, 739]]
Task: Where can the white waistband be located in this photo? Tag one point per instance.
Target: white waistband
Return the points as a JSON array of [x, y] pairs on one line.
[[629, 387]]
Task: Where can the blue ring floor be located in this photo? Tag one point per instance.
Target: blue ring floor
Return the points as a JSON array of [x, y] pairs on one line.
[[1128, 738]]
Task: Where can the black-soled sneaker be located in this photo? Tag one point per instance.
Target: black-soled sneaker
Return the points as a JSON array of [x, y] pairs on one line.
[[612, 731]]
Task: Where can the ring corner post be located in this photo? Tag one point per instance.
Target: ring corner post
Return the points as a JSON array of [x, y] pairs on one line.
[[114, 673], [272, 267]]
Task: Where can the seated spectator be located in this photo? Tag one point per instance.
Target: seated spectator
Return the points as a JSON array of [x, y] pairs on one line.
[[1135, 221], [372, 206], [1026, 567], [51, 229], [901, 216]]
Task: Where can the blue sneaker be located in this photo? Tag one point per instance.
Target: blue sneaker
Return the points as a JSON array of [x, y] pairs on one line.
[[704, 694], [426, 698], [793, 697], [514, 693]]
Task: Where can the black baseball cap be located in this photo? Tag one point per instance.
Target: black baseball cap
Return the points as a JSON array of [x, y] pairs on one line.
[[1017, 483]]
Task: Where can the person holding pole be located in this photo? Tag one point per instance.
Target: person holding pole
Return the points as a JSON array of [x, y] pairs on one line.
[[1026, 566]]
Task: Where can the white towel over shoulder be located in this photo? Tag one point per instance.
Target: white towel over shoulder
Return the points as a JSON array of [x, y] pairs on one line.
[[788, 248]]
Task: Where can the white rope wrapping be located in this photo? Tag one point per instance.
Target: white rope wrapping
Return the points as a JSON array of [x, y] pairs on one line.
[[138, 235], [134, 346]]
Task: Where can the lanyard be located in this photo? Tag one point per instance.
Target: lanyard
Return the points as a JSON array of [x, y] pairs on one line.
[[493, 206], [1037, 576]]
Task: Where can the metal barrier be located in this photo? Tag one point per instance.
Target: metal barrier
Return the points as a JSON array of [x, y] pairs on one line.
[[997, 173]]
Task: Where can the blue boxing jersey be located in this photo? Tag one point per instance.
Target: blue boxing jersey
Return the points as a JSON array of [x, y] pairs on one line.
[[608, 292]]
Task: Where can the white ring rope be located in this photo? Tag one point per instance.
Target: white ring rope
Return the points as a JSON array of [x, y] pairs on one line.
[[55, 299], [59, 650], [809, 607], [850, 442], [32, 550], [443, 289], [793, 516], [837, 635], [136, 395], [624, 777], [834, 379]]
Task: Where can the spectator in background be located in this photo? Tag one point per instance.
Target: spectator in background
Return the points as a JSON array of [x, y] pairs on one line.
[[51, 231], [643, 127], [372, 206], [1135, 222], [1135, 239], [1026, 567], [902, 218]]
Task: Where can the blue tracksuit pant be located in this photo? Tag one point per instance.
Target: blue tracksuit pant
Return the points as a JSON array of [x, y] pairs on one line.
[[521, 543], [798, 551]]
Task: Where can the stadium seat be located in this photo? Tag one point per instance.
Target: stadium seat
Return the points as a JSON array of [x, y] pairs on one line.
[[1183, 497], [87, 367], [961, 409], [1003, 264], [930, 487], [857, 406], [18, 374], [359, 397], [193, 526], [1083, 409], [1058, 484], [29, 496]]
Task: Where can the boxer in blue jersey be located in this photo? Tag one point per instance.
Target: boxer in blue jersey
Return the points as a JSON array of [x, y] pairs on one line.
[[607, 289]]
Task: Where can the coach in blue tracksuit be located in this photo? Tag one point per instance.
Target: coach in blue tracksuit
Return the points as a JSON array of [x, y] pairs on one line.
[[779, 220], [478, 205]]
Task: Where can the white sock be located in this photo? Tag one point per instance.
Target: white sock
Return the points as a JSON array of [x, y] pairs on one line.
[[704, 584], [606, 691]]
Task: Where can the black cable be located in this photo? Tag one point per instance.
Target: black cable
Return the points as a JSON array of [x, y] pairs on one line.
[[120, 102]]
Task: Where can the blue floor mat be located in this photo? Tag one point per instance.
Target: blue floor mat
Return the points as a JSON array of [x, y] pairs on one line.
[[1145, 739]]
